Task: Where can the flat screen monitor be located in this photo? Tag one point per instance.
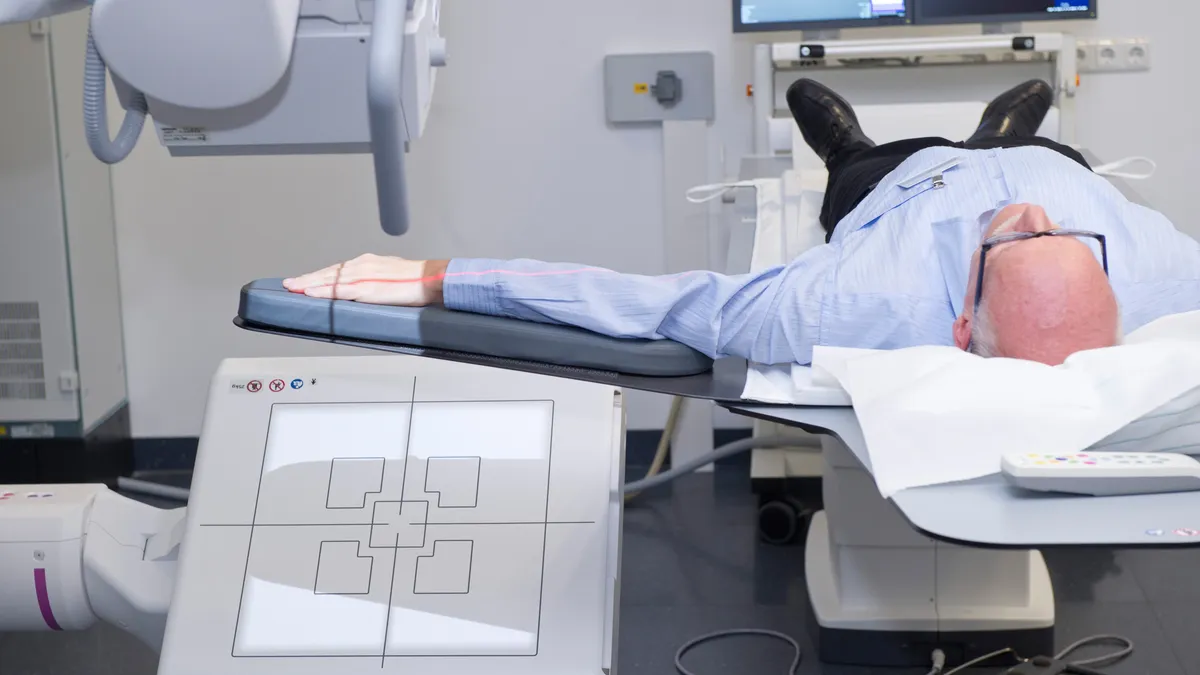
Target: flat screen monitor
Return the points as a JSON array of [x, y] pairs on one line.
[[783, 15], [1000, 11]]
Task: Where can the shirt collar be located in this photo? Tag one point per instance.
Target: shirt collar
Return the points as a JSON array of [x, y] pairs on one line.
[[956, 240]]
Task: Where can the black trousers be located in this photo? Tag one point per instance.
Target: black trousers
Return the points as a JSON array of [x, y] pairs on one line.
[[857, 169]]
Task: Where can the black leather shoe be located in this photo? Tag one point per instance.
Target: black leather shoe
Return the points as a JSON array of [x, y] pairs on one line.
[[826, 120], [1018, 112]]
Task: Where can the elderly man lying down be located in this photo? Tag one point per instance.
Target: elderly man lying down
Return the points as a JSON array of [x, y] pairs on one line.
[[1006, 244]]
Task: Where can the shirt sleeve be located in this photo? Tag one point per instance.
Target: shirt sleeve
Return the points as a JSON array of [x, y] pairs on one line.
[[768, 317]]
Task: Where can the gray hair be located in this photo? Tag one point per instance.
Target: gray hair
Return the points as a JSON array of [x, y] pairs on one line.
[[983, 335]]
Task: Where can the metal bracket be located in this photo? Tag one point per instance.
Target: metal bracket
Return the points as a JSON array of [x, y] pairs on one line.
[[821, 35], [1001, 28]]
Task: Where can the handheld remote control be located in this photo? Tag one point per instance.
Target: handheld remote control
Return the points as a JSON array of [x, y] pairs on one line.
[[1103, 474]]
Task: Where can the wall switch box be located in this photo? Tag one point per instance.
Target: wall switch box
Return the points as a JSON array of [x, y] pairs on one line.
[[659, 87]]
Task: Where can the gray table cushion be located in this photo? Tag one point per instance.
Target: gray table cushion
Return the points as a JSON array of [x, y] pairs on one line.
[[267, 304]]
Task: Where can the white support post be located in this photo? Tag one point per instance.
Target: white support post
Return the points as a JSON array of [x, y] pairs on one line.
[[763, 92], [1067, 76], [686, 248]]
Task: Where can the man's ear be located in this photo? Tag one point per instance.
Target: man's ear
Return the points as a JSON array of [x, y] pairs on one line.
[[962, 331]]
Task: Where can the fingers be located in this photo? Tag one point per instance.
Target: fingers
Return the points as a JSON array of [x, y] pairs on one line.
[[369, 279], [372, 293], [363, 267], [319, 278], [332, 292]]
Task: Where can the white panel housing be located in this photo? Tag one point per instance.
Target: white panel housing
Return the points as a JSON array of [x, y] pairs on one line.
[[385, 514], [215, 54]]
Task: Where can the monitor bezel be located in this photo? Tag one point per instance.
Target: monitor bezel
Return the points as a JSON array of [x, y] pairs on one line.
[[827, 24], [919, 20]]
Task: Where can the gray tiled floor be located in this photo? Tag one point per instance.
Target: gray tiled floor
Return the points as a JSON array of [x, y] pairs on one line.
[[692, 565]]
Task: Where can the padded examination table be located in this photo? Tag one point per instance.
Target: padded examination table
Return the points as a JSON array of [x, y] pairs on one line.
[[659, 366], [985, 513]]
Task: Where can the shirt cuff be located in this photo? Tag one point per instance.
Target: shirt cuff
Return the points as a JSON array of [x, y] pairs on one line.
[[470, 285]]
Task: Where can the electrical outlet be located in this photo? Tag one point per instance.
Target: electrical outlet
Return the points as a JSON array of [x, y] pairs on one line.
[[1136, 54], [1085, 57], [1113, 55], [1106, 55]]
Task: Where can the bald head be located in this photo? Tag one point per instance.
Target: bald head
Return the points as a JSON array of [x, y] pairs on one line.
[[1043, 299]]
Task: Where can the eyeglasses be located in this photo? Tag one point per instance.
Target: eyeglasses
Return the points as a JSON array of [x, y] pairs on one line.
[[1008, 237]]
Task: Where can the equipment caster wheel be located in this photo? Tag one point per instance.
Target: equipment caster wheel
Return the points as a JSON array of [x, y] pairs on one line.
[[783, 521]]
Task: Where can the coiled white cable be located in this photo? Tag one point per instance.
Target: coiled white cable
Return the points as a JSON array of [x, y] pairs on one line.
[[95, 111]]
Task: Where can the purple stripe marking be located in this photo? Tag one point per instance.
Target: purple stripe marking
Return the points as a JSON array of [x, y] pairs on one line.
[[43, 595]]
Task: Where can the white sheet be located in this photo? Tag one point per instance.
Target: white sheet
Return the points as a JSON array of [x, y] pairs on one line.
[[934, 415]]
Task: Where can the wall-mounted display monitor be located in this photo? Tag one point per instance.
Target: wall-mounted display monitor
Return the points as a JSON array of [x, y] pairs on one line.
[[999, 11], [784, 15]]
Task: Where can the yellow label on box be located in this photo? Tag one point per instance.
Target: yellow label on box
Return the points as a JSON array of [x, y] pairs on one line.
[[641, 88], [3, 431]]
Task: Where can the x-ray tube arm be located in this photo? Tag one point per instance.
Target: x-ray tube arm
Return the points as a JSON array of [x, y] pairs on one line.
[[385, 79], [277, 77]]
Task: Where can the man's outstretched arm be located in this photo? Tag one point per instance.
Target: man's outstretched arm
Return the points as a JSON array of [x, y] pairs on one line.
[[768, 317]]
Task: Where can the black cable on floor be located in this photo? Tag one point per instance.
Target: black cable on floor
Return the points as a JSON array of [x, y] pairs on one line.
[[737, 632], [1085, 665], [1099, 661]]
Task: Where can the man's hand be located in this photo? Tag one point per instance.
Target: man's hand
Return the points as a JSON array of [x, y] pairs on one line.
[[376, 280]]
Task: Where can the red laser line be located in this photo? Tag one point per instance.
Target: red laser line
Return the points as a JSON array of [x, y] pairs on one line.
[[440, 277]]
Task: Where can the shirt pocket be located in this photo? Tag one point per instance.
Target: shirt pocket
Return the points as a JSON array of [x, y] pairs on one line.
[[907, 189]]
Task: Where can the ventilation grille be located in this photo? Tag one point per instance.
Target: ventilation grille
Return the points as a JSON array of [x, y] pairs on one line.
[[22, 368], [19, 311], [24, 391], [26, 330]]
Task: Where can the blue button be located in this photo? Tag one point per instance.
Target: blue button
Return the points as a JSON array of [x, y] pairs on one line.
[[297, 383]]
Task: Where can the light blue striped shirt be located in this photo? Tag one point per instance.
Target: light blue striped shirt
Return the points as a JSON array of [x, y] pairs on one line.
[[893, 276]]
